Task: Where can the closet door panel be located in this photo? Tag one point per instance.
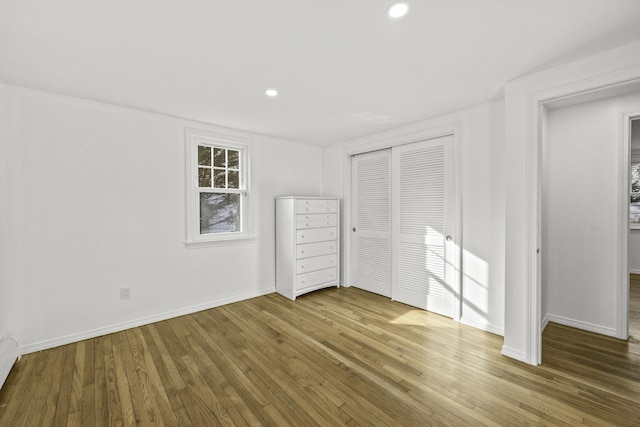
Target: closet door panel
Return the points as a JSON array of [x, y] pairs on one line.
[[371, 220], [423, 217]]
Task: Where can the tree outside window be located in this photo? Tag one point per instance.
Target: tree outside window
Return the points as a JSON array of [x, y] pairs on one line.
[[219, 181]]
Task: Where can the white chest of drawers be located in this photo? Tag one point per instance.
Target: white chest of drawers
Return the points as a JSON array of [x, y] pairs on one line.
[[307, 244]]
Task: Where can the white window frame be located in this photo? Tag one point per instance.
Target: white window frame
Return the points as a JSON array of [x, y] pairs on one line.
[[634, 160], [194, 138]]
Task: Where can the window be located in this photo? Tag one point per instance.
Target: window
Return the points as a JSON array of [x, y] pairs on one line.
[[217, 190], [634, 197]]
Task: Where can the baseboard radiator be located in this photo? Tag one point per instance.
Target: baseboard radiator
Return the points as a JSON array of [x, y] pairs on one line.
[[8, 356]]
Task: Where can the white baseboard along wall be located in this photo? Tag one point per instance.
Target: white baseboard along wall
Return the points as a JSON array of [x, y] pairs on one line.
[[28, 347], [8, 356], [578, 324]]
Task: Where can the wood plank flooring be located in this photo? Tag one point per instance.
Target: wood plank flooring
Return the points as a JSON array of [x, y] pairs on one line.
[[333, 357], [634, 308]]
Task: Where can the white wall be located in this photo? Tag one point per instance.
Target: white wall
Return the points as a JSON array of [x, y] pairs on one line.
[[482, 175], [97, 201], [5, 328], [483, 204], [579, 213]]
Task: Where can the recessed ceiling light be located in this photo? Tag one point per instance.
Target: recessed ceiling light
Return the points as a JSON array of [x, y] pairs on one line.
[[398, 10], [271, 93]]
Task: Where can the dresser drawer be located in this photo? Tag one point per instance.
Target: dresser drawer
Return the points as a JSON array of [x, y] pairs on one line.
[[308, 265], [316, 206], [316, 235], [316, 249], [316, 278], [316, 220]]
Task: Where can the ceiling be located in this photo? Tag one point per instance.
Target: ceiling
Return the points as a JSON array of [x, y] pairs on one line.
[[343, 69]]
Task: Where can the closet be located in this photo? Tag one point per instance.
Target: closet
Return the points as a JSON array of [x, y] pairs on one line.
[[403, 222]]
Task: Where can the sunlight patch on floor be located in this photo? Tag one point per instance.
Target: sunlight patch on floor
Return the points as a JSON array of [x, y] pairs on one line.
[[413, 318]]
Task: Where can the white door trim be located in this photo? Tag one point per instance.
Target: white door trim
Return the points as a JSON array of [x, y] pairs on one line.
[[624, 158], [390, 140]]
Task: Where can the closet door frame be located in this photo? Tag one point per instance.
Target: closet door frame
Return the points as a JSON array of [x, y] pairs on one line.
[[381, 142]]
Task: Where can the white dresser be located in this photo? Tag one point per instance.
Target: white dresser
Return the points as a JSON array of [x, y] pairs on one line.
[[307, 244]]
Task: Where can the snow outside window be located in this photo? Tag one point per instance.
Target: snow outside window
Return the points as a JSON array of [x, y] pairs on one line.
[[634, 197]]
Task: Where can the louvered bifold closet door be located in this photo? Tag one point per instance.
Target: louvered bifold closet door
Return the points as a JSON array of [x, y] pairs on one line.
[[422, 219], [371, 221]]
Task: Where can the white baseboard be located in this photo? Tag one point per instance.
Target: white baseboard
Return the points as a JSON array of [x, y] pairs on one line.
[[545, 322], [482, 326], [68, 339], [598, 329], [8, 357], [634, 271], [513, 353]]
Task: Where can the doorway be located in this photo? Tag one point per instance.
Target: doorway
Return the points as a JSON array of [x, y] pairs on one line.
[[403, 224], [634, 229], [585, 235]]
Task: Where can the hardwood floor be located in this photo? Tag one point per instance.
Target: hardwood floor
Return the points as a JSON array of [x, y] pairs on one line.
[[634, 310], [333, 357]]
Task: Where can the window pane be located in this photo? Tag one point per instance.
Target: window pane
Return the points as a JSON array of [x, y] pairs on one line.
[[219, 213], [234, 159], [204, 177], [219, 178], [219, 157], [635, 177], [204, 156], [234, 179], [634, 210]]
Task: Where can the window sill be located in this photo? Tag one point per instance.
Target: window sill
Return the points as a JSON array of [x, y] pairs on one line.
[[223, 241], [634, 227]]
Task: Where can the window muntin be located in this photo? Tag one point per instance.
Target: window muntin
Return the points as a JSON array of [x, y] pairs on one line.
[[218, 167], [217, 188]]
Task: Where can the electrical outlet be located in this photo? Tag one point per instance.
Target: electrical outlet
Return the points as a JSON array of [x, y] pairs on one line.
[[125, 293]]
